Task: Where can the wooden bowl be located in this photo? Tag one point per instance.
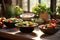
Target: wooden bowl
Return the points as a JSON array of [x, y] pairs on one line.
[[49, 31], [10, 25], [26, 29]]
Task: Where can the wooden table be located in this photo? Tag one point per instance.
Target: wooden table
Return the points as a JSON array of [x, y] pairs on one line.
[[35, 35]]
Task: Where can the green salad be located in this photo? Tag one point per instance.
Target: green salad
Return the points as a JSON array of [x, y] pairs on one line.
[[26, 24], [13, 20], [38, 20]]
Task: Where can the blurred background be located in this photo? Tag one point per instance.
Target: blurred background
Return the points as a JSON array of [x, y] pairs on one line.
[[27, 5]]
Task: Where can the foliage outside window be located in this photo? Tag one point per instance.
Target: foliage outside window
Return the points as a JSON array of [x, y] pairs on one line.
[[41, 8], [33, 3], [47, 2], [28, 6], [58, 9]]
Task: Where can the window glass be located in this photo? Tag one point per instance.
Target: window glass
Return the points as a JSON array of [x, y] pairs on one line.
[[47, 2], [57, 3], [33, 3], [24, 5]]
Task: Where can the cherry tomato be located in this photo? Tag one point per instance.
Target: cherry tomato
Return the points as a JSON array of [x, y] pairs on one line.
[[51, 27], [43, 26], [53, 21], [9, 21], [1, 24], [3, 18]]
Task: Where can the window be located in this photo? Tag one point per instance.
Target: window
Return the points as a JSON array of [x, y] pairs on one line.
[[47, 2], [33, 3], [27, 5], [24, 5], [57, 3], [13, 2]]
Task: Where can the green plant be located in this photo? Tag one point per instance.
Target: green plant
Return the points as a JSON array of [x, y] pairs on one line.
[[18, 11], [41, 8], [13, 20], [9, 11]]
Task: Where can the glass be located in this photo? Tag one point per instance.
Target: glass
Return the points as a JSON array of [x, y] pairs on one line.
[[13, 2], [33, 3], [24, 5], [57, 4], [47, 2], [58, 9]]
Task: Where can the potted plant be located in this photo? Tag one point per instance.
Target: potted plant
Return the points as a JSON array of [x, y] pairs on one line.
[[18, 11], [42, 11]]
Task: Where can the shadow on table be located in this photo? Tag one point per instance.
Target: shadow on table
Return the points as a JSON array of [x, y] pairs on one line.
[[10, 29], [50, 37], [44, 35], [31, 34]]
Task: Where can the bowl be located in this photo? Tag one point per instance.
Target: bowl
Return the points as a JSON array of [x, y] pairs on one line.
[[26, 29], [27, 16], [26, 26], [49, 31], [10, 25], [10, 22]]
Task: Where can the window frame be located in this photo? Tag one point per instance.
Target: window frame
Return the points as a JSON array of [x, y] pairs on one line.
[[39, 1], [53, 6]]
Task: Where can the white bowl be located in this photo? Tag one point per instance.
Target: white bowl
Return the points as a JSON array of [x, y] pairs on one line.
[[27, 15]]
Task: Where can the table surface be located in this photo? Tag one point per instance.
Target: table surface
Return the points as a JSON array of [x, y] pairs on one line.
[[15, 34]]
